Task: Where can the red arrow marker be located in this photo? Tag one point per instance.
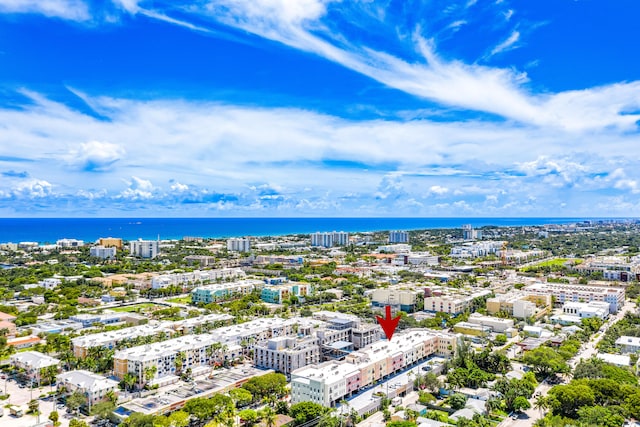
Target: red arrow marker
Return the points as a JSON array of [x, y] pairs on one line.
[[389, 325]]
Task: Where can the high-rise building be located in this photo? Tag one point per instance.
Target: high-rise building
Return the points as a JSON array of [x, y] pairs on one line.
[[102, 252], [468, 232], [108, 242], [398, 237], [239, 244], [144, 248], [327, 240]]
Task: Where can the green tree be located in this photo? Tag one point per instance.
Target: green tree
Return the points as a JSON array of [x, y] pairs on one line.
[[545, 361], [599, 416], [249, 417], [76, 400], [401, 424], [567, 399], [241, 397], [34, 406], [269, 385], [457, 401], [74, 422], [179, 419], [501, 339], [54, 418], [306, 411], [102, 410], [521, 403]]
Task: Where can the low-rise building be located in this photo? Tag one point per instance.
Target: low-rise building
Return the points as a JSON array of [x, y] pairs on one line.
[[628, 344], [95, 388], [611, 268], [496, 324], [286, 354], [223, 291], [564, 292], [111, 339], [88, 320], [168, 359], [192, 278], [599, 309], [33, 363], [330, 382], [399, 299], [453, 301], [276, 294], [521, 305]]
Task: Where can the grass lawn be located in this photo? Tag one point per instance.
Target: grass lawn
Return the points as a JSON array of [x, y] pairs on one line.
[[558, 262], [135, 307], [180, 300]]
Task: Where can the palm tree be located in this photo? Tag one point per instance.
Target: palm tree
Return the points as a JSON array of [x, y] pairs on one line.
[[541, 403], [269, 416], [111, 397], [150, 373], [129, 380], [180, 359]]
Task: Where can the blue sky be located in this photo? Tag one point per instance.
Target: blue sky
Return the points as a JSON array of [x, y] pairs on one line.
[[319, 108]]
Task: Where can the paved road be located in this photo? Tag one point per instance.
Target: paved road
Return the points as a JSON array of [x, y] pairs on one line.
[[529, 417]]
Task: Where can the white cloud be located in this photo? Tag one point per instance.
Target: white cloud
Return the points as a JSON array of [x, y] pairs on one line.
[[138, 189], [74, 10], [508, 44], [95, 156], [33, 188], [179, 188], [437, 189], [213, 156]]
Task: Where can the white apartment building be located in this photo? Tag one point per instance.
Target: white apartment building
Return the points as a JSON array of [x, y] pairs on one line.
[[250, 333], [329, 382], [95, 388], [69, 243], [102, 252], [195, 351], [564, 292], [111, 339], [144, 248], [398, 237], [399, 248], [190, 279], [286, 354], [327, 240], [33, 363], [239, 244], [476, 250]]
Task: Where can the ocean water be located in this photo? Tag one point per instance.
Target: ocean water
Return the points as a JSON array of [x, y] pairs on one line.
[[48, 230]]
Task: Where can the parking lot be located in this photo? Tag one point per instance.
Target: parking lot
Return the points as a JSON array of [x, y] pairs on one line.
[[20, 396]]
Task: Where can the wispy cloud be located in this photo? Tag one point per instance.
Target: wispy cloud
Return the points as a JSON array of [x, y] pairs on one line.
[[74, 10], [508, 44]]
